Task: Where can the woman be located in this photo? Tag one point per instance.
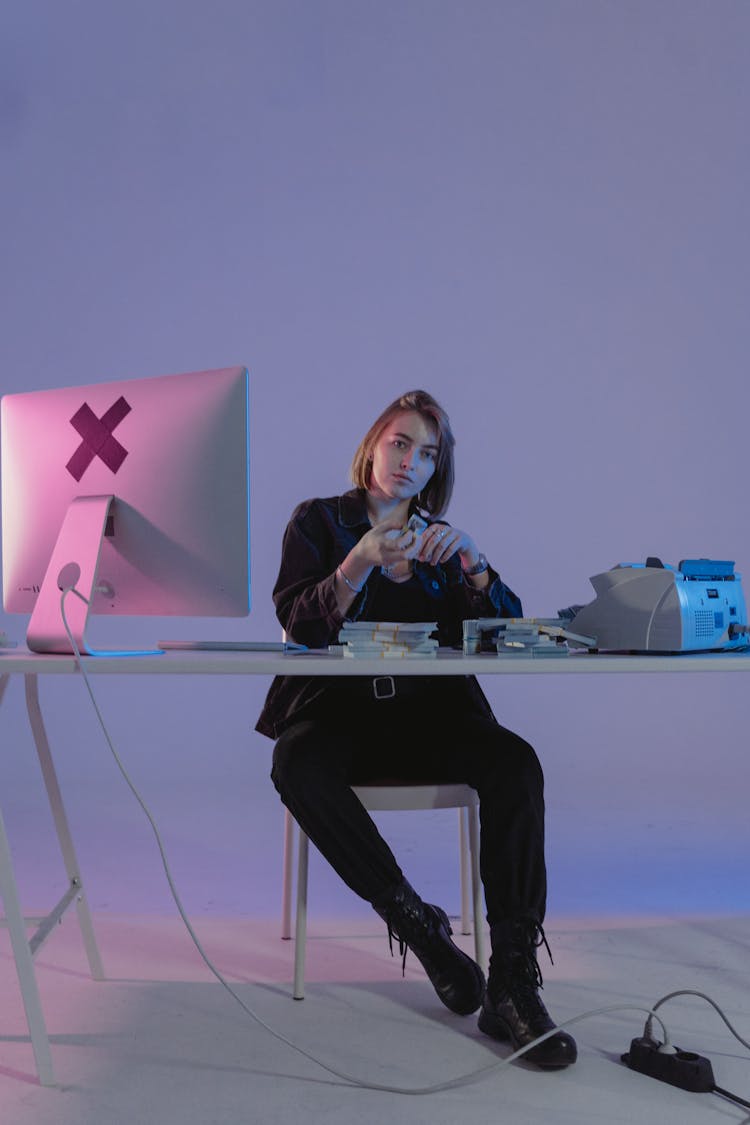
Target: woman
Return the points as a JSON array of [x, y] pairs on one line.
[[350, 558]]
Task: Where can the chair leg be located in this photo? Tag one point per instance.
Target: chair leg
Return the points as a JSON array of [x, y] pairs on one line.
[[476, 887], [300, 929], [286, 886], [464, 858]]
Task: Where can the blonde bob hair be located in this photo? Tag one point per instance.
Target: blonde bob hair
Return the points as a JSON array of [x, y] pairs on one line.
[[435, 496]]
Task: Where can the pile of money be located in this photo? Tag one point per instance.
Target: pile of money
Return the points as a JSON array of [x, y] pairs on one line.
[[520, 638], [388, 638]]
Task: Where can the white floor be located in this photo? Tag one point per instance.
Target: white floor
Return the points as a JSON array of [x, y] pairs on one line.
[[161, 1041]]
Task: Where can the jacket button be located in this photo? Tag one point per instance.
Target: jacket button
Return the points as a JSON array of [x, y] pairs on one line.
[[435, 584]]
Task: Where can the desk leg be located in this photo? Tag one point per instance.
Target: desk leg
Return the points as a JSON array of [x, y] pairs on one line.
[[61, 824], [24, 963]]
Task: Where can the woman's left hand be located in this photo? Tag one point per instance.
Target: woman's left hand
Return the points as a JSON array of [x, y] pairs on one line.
[[439, 542]]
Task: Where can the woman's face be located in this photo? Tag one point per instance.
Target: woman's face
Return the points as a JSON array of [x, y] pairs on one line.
[[404, 456]]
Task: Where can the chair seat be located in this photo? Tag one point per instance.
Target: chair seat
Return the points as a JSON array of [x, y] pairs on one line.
[[395, 795]]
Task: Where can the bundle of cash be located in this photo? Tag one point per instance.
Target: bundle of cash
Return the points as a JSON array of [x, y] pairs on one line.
[[388, 638], [521, 639], [522, 636]]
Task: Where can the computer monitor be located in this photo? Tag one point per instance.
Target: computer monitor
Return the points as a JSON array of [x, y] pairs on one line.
[[136, 493]]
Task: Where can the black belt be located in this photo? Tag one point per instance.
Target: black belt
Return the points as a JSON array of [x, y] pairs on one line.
[[381, 689]]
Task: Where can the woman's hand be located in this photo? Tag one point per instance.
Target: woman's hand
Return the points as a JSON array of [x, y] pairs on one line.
[[439, 542], [384, 545]]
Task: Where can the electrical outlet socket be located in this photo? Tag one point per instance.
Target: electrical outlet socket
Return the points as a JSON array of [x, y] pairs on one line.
[[682, 1068]]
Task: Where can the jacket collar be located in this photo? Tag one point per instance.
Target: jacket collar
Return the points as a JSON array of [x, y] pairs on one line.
[[353, 509]]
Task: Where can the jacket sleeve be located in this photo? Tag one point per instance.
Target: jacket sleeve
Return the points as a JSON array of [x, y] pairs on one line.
[[495, 600], [463, 602], [304, 594]]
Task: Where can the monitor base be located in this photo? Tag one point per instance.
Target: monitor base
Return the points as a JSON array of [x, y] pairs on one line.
[[73, 566]]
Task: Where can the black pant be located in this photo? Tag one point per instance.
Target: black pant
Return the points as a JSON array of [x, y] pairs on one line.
[[317, 760]]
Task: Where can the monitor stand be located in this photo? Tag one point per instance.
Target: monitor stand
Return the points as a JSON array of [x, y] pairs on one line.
[[73, 566]]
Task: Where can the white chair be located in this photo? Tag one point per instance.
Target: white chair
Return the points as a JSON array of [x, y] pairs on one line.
[[380, 797]]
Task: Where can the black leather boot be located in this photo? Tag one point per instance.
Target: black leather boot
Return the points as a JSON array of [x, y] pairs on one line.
[[425, 929], [512, 1008]]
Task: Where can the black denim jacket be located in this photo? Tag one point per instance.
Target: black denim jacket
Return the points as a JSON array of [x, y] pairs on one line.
[[318, 537]]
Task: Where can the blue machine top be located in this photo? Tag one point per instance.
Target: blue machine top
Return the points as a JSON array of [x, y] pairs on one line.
[[699, 570]]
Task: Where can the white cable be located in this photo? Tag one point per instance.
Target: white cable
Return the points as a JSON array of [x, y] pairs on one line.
[[460, 1080], [702, 995]]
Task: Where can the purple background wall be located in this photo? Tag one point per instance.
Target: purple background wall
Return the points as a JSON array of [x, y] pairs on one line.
[[540, 212]]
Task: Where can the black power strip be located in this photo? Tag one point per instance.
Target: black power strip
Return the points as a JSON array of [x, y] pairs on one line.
[[679, 1068]]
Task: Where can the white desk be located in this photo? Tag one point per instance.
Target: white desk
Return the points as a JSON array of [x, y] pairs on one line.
[[446, 663], [21, 663]]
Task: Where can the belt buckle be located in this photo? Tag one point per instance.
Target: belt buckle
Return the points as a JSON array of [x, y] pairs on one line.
[[388, 689]]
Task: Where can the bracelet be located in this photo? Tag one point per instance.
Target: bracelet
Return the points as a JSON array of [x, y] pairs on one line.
[[354, 589]]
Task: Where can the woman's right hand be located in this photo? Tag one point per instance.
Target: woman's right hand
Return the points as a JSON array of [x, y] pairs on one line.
[[384, 545]]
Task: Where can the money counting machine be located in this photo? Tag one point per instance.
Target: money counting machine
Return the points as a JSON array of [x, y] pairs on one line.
[[649, 607]]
